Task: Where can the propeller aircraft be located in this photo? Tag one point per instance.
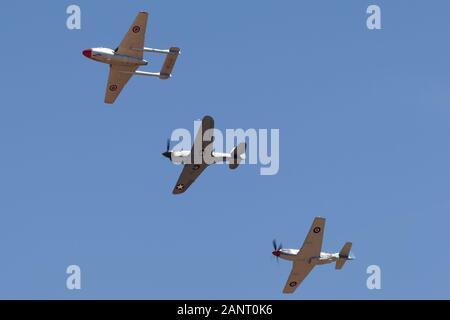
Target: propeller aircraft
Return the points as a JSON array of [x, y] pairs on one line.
[[201, 156], [310, 255]]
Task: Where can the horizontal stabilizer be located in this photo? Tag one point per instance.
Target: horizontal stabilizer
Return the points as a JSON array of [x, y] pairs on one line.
[[169, 63], [344, 255]]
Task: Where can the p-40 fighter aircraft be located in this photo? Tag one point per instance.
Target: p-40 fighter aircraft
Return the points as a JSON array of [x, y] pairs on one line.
[[202, 155], [128, 57], [310, 255]]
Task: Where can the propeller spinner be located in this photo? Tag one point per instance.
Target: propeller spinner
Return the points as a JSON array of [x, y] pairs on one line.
[[276, 249]]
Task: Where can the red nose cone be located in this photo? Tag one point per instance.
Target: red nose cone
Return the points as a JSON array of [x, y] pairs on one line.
[[276, 253], [87, 53]]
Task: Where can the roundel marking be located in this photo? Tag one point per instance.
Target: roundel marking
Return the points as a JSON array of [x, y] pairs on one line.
[[113, 87], [136, 29], [293, 284], [317, 229]]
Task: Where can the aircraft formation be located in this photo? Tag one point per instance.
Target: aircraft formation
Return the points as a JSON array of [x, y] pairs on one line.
[[124, 62]]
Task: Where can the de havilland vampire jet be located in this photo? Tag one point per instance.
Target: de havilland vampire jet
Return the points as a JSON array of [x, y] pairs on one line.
[[128, 57], [202, 155], [310, 255]]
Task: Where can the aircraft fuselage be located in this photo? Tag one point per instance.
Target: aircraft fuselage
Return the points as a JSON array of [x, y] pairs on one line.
[[185, 156], [109, 56], [324, 258]]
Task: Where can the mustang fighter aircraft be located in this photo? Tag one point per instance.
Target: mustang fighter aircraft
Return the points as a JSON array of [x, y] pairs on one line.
[[310, 255], [128, 57], [202, 155]]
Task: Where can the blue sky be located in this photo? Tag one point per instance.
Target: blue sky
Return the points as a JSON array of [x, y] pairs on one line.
[[364, 119]]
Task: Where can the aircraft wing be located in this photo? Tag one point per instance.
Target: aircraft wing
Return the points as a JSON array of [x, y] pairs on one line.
[[189, 174], [200, 143], [118, 78], [192, 171], [313, 242], [135, 37], [300, 271]]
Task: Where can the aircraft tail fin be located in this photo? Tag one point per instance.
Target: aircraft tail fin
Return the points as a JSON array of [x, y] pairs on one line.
[[169, 63], [344, 255], [237, 154]]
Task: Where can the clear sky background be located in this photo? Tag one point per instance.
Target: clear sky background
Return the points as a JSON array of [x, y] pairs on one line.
[[364, 119]]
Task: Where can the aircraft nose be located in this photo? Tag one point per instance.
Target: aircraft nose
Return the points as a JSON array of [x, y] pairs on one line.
[[167, 154], [87, 53], [276, 253]]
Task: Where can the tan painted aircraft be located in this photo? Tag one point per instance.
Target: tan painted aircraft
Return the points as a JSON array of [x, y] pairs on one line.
[[310, 255], [128, 57], [202, 155]]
